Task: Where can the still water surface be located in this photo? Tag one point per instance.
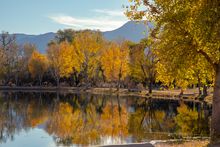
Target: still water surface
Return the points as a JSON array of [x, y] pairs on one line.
[[51, 119]]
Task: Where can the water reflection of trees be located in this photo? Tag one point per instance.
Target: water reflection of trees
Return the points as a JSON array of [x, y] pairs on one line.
[[15, 115], [191, 122], [89, 122], [88, 119], [158, 120], [150, 121]]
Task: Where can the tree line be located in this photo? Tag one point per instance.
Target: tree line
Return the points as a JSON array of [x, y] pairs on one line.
[[85, 58], [80, 59]]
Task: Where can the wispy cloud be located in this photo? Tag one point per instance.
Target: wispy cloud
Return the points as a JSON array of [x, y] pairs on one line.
[[109, 12], [98, 23]]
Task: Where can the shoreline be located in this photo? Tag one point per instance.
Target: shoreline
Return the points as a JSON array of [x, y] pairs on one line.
[[157, 94]]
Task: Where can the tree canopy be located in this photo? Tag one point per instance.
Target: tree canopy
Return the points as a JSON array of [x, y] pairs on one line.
[[187, 34]]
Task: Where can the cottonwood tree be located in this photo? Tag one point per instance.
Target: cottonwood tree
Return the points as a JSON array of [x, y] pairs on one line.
[[61, 60], [143, 62], [202, 74], [195, 71], [186, 29], [38, 65], [26, 52], [115, 62], [88, 46]]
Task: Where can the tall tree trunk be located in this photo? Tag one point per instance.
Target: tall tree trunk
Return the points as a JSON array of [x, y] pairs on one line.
[[215, 123], [58, 82], [150, 86], [119, 81], [16, 80], [103, 75], [119, 78], [199, 86], [40, 80], [205, 93], [86, 76], [200, 91], [75, 78], [145, 82]]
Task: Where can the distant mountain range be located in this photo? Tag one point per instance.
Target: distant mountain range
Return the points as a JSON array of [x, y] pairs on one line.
[[40, 41], [133, 31]]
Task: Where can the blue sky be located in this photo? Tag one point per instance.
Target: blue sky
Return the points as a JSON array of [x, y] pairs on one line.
[[41, 16]]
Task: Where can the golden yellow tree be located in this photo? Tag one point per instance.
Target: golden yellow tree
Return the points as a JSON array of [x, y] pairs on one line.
[[87, 48], [38, 65], [115, 62], [62, 60]]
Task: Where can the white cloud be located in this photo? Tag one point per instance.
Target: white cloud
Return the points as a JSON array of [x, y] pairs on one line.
[[110, 12], [100, 23]]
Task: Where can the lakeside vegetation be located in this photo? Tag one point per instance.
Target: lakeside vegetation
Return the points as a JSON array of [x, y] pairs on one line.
[[182, 51], [86, 59], [187, 41]]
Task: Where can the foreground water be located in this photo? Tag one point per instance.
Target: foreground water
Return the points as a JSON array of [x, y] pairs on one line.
[[51, 119]]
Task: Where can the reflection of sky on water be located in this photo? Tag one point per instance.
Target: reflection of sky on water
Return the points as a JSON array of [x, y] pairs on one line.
[[33, 138], [39, 138], [95, 120]]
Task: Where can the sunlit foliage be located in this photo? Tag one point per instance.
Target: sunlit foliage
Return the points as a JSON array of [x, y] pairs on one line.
[[37, 65], [185, 30], [61, 60], [88, 46], [143, 62], [115, 62]]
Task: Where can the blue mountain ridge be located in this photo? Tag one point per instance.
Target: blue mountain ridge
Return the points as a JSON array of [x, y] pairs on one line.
[[133, 31]]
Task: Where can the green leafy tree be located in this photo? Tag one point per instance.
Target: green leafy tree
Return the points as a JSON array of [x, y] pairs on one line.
[[186, 29], [65, 35], [143, 63]]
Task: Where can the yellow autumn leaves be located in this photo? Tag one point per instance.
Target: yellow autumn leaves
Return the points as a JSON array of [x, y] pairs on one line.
[[37, 65], [115, 61], [86, 54], [61, 59]]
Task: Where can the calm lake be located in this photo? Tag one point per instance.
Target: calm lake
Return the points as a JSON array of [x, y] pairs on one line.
[[51, 119]]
